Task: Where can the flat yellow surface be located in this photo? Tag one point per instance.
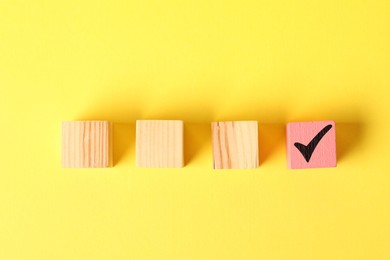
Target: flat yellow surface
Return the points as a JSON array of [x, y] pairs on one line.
[[199, 61]]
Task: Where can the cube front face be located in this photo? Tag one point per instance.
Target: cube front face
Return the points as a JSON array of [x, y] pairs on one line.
[[85, 144], [235, 144], [311, 144], [159, 143]]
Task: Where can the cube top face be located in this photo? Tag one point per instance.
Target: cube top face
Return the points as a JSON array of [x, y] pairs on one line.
[[159, 143], [311, 144], [235, 144], [85, 144]]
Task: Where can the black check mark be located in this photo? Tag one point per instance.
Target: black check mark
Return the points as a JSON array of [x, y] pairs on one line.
[[307, 150]]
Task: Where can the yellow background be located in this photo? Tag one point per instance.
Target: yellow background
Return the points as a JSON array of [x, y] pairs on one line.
[[271, 61]]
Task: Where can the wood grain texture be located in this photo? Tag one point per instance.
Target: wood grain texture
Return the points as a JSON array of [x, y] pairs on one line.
[[235, 144], [317, 141], [159, 143], [85, 144]]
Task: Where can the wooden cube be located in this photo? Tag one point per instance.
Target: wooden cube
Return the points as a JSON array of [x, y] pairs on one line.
[[85, 144], [311, 144], [159, 143], [235, 144]]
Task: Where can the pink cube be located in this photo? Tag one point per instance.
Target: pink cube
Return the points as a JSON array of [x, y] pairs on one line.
[[311, 144]]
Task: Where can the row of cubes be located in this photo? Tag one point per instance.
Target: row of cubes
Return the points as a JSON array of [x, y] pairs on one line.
[[159, 144]]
